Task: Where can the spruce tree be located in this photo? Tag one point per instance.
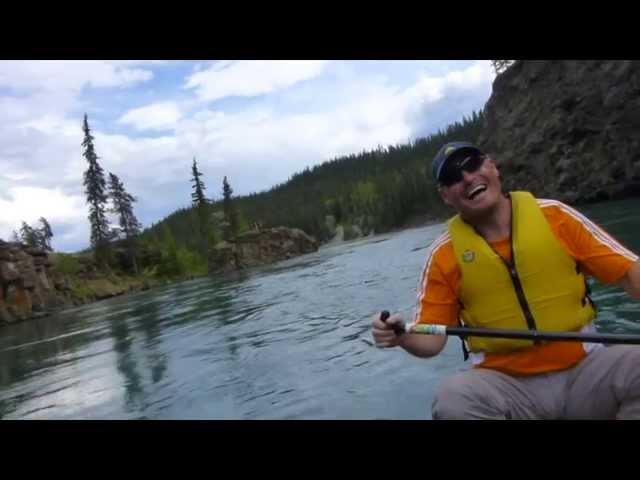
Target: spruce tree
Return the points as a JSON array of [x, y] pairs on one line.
[[123, 207], [197, 196], [46, 234], [95, 189], [29, 236], [170, 265], [202, 205], [230, 214]]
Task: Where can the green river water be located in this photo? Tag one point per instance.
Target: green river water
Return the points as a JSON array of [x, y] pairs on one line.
[[288, 341]]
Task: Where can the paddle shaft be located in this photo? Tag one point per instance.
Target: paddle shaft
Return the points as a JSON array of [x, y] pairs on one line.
[[463, 332], [610, 338]]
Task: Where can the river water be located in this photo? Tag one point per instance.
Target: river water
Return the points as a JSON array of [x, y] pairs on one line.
[[288, 341]]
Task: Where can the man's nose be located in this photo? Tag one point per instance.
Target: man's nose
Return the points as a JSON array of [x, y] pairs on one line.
[[467, 176]]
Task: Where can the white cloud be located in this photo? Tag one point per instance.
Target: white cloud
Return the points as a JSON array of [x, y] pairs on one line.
[[70, 236], [435, 101], [142, 164], [432, 89], [376, 113], [250, 78], [137, 63], [16, 177], [43, 152], [52, 75], [50, 124], [157, 116], [262, 145], [30, 203], [259, 143]]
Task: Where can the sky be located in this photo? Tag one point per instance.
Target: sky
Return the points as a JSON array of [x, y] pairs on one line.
[[255, 121]]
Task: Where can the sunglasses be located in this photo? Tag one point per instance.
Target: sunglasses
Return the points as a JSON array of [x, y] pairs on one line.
[[452, 171]]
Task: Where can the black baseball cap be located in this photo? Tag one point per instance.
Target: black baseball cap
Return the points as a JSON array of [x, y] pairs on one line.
[[449, 150]]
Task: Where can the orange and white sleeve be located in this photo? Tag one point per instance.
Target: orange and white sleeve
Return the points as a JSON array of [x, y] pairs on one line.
[[437, 302], [598, 252]]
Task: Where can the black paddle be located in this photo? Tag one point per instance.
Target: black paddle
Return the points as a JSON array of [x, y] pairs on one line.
[[463, 332]]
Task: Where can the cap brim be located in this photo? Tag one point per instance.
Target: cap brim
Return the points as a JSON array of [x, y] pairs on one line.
[[455, 153]]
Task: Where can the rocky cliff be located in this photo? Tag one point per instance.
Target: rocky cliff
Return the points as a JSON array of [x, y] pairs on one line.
[[567, 129], [260, 247], [561, 129], [34, 283], [31, 286], [28, 285]]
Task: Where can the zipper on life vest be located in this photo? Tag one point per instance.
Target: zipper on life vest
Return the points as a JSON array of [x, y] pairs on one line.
[[517, 285], [515, 280]]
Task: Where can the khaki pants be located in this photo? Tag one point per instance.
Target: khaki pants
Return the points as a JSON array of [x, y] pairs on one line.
[[605, 385]]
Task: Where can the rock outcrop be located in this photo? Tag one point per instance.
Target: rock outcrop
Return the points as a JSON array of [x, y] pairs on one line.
[[31, 286], [567, 129], [261, 247], [358, 228]]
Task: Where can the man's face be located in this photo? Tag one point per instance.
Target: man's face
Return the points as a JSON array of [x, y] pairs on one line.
[[477, 192]]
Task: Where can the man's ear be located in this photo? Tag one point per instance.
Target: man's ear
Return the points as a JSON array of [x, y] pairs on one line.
[[443, 191], [494, 163], [495, 166]]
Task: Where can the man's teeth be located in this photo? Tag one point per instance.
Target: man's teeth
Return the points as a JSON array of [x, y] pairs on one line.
[[476, 190]]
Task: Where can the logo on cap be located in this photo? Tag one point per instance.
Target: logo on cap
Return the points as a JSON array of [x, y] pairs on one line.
[[468, 256], [449, 149]]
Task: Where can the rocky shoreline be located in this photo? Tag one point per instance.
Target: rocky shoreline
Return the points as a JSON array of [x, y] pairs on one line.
[[35, 285], [561, 129], [32, 286], [29, 287]]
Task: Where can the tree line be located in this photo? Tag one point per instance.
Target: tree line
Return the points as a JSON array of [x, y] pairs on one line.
[[35, 237], [98, 192], [157, 252], [180, 244], [374, 191]]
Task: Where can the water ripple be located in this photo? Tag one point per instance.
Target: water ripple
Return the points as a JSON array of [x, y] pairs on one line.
[[290, 340]]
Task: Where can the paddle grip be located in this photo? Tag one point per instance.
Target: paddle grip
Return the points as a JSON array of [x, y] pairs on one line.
[[397, 328]]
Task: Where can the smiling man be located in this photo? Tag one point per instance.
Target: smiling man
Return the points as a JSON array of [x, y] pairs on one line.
[[509, 260]]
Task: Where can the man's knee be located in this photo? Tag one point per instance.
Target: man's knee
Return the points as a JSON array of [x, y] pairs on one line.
[[620, 361], [629, 354], [625, 360], [607, 385], [455, 398]]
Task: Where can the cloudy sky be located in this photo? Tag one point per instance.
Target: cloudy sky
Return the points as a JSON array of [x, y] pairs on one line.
[[257, 122]]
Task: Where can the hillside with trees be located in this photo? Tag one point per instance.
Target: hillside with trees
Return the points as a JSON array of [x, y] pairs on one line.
[[374, 191]]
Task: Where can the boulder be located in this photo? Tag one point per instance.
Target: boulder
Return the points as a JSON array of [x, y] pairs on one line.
[[18, 302], [8, 272], [29, 277], [36, 252], [5, 253], [5, 316], [222, 257], [42, 281], [261, 247]]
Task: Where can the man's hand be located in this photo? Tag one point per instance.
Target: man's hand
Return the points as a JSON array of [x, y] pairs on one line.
[[383, 334], [631, 281], [423, 346]]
